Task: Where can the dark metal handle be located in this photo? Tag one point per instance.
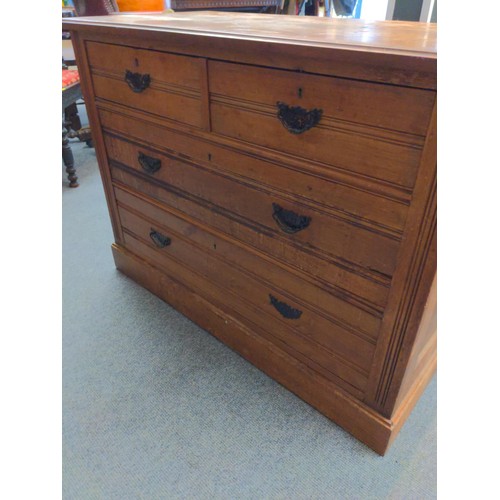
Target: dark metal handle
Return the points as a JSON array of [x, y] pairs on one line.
[[285, 310], [289, 221], [160, 240], [296, 119], [148, 163], [137, 81]]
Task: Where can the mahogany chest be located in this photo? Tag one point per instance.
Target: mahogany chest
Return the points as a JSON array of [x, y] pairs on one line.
[[274, 179]]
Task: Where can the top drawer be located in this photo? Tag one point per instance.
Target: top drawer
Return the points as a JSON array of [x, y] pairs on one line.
[[368, 128], [156, 82]]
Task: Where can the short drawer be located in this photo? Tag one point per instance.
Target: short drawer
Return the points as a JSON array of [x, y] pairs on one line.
[[377, 105], [267, 211], [164, 84], [169, 241], [369, 129]]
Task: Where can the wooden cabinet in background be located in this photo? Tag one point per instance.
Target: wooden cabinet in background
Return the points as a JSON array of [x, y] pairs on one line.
[[274, 179]]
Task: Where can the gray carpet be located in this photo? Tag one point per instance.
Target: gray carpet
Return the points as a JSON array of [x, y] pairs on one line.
[[156, 408]]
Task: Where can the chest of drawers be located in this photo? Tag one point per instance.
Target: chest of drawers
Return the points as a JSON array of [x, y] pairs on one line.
[[274, 179]]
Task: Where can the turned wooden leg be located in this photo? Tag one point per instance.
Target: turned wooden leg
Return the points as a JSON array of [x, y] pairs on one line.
[[68, 159], [71, 115]]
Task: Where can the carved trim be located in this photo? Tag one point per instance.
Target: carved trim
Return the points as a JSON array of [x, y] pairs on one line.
[[412, 282], [415, 273]]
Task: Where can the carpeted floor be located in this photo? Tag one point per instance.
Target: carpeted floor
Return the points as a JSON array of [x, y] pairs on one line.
[[156, 408]]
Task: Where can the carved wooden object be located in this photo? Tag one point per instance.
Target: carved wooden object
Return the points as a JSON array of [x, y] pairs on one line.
[[274, 179]]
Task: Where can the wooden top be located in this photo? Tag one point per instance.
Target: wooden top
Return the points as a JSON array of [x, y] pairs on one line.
[[411, 38], [395, 52]]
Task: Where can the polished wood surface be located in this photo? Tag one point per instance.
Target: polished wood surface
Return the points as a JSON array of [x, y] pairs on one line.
[[397, 51], [285, 204], [414, 39], [371, 106]]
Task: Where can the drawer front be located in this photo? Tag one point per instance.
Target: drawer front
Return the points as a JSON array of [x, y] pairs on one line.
[[265, 210], [167, 241], [362, 289], [254, 262], [159, 83], [304, 181], [318, 125], [373, 104]]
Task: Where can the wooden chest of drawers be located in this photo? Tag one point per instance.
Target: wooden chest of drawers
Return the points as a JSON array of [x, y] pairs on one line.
[[274, 179]]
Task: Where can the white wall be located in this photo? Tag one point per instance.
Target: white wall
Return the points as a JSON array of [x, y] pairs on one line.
[[374, 10]]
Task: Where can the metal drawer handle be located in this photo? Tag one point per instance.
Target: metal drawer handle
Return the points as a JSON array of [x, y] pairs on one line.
[[137, 81], [148, 163], [289, 221], [160, 240], [296, 119], [285, 310]]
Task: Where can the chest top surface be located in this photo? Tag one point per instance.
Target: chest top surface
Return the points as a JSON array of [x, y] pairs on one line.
[[395, 52], [396, 37]]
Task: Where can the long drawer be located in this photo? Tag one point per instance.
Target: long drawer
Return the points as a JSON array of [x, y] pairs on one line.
[[163, 84], [372, 129], [293, 221], [248, 282], [376, 208], [363, 289], [367, 325]]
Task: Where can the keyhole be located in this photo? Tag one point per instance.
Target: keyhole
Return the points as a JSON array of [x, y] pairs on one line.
[[136, 61], [299, 92], [209, 156]]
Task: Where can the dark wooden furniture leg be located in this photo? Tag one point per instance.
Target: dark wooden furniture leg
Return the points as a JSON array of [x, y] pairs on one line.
[[68, 159], [71, 115], [69, 97]]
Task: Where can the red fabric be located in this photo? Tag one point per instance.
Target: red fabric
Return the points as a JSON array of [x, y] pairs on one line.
[[69, 76]]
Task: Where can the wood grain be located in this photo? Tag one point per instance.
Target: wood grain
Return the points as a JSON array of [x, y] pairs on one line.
[[361, 323], [170, 69], [310, 250], [331, 400], [325, 233], [365, 290], [401, 53], [377, 105], [353, 198]]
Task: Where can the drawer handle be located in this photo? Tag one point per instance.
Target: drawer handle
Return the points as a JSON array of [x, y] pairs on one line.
[[159, 239], [289, 221], [285, 310], [296, 119], [137, 81], [148, 163]]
